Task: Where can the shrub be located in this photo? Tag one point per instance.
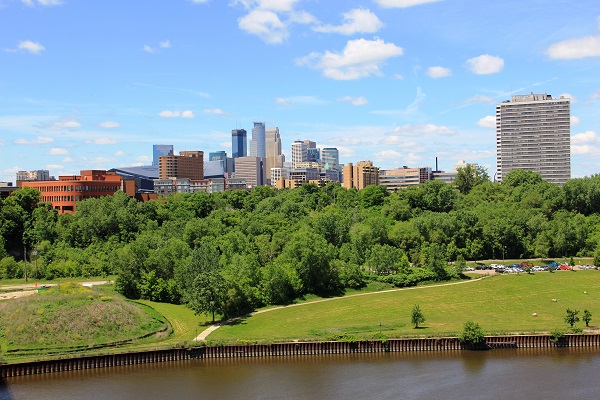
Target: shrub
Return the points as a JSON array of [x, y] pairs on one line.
[[472, 335]]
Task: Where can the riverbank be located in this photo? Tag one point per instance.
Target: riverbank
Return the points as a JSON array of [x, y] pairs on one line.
[[291, 349]]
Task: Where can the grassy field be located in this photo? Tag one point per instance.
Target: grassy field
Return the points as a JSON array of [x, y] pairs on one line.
[[70, 316], [186, 325], [500, 304]]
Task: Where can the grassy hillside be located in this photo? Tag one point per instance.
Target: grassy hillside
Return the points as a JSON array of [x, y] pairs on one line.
[[500, 304], [71, 315]]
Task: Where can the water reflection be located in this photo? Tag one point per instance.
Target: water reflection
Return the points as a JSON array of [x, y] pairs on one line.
[[499, 374]]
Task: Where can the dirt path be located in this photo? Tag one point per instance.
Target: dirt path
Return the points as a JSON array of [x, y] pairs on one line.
[[204, 334]]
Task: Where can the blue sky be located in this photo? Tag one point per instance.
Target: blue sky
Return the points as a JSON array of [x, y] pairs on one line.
[[93, 84]]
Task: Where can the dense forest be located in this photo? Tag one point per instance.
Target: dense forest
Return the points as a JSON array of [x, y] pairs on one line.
[[230, 252]]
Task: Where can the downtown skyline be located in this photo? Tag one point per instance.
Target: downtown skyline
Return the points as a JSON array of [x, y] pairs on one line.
[[94, 84]]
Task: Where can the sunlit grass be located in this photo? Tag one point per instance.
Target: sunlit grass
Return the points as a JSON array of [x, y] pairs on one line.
[[500, 304]]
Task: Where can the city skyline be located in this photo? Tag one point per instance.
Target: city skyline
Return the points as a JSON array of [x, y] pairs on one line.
[[93, 85]]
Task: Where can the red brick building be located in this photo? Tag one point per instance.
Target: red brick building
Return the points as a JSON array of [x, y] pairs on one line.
[[65, 192]]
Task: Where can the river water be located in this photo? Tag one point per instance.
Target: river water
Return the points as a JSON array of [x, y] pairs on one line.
[[497, 374]]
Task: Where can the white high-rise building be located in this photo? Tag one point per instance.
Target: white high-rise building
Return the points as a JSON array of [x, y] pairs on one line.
[[257, 144], [533, 132], [299, 152]]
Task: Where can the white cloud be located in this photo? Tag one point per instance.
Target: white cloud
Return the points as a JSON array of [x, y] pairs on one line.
[[359, 59], [66, 124], [585, 137], [216, 111], [358, 20], [31, 47], [399, 77], [487, 122], [570, 49], [101, 141], [38, 140], [165, 44], [438, 72], [45, 3], [273, 5], [356, 101], [148, 49], [583, 149], [176, 114], [595, 95], [187, 114], [569, 96], [398, 133], [479, 99], [54, 166], [109, 124], [403, 3], [144, 159], [302, 17], [575, 120], [266, 25], [57, 151], [68, 160], [120, 153], [297, 100], [485, 64]]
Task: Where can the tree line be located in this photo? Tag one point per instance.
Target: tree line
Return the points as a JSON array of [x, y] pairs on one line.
[[230, 252]]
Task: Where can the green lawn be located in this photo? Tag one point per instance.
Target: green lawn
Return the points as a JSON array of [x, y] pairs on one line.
[[186, 325], [500, 304]]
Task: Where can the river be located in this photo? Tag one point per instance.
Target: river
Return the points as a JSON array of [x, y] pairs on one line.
[[497, 374]]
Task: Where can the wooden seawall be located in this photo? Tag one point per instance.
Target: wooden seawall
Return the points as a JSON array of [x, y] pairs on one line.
[[288, 349]]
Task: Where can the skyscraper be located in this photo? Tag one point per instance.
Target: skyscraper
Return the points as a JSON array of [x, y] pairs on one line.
[[257, 144], [330, 158], [161, 150], [274, 157], [299, 152], [533, 132], [239, 143]]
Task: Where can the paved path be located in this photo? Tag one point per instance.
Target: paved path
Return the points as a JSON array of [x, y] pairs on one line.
[[203, 335]]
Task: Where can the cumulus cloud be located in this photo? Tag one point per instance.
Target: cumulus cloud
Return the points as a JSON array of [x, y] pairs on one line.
[[37, 140], [57, 151], [266, 25], [399, 77], [109, 124], [165, 44], [148, 49], [176, 114], [29, 47], [575, 120], [403, 3], [576, 48], [101, 141], [270, 19], [485, 64], [438, 72], [581, 149], [360, 58], [585, 137], [358, 20], [120, 153], [68, 160], [487, 122], [355, 101], [144, 159]]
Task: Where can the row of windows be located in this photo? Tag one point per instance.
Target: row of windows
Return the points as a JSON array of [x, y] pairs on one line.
[[78, 188]]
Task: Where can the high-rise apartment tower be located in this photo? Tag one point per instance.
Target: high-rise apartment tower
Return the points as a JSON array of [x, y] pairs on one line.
[[533, 132], [257, 144]]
